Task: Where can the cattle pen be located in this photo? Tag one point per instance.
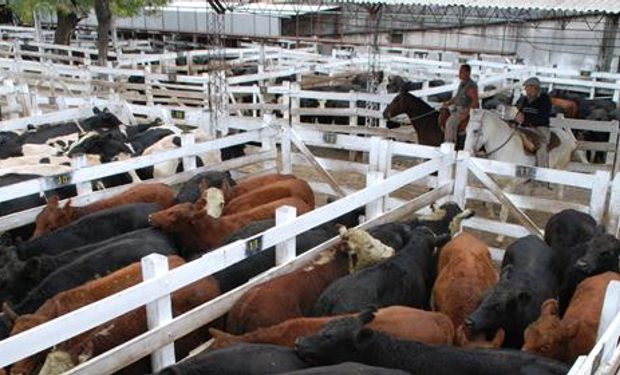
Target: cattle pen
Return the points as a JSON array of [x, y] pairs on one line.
[[295, 112], [383, 179]]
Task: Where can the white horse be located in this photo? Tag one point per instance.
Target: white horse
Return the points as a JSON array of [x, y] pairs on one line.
[[502, 143]]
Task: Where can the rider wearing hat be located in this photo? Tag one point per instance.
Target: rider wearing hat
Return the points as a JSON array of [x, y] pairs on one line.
[[466, 98], [534, 112]]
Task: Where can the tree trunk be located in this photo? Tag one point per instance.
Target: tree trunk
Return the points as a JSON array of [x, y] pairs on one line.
[[66, 24], [104, 22]]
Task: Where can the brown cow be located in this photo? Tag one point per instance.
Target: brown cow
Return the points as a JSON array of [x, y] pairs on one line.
[[292, 187], [570, 108], [90, 292], [401, 322], [465, 271], [196, 231], [251, 183], [132, 324], [575, 334], [288, 296], [53, 217]]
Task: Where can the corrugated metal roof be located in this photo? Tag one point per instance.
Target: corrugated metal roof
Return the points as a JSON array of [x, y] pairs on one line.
[[606, 6], [282, 10]]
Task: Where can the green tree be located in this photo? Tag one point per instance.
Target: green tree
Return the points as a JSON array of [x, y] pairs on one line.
[[71, 12], [68, 12]]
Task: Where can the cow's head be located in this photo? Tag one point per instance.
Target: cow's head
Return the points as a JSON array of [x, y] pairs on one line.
[[334, 343], [214, 197], [53, 216], [498, 304], [601, 254], [547, 336], [171, 219]]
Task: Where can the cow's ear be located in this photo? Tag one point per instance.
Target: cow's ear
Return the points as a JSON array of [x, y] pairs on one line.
[[506, 271], [200, 205], [524, 297], [96, 110], [227, 189], [53, 201], [367, 315], [549, 307]]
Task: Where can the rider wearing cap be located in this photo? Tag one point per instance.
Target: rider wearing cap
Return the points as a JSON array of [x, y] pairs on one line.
[[534, 112], [466, 98]]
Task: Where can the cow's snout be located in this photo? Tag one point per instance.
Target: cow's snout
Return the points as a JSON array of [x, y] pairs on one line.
[[470, 324], [582, 266]]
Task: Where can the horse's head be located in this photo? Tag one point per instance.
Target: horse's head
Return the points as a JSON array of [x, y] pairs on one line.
[[397, 106], [476, 137]]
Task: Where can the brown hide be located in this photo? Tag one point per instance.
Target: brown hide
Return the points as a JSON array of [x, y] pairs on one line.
[[570, 108], [465, 271], [575, 333], [401, 322], [293, 187], [288, 296], [247, 184], [53, 217], [198, 231], [73, 299]]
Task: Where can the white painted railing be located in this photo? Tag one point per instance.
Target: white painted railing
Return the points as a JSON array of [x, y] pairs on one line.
[[90, 316]]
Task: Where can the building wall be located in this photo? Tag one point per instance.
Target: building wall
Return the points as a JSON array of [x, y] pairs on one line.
[[547, 43]]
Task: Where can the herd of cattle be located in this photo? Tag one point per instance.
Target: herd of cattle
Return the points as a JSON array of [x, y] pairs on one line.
[[47, 150], [403, 297]]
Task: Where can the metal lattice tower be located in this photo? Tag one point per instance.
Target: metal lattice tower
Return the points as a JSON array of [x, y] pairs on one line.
[[374, 60], [217, 92]]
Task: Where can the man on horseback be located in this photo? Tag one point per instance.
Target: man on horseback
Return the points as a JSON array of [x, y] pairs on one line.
[[465, 99], [534, 112]]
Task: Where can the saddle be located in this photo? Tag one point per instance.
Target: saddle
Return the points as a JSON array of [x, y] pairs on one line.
[[531, 143], [444, 113]]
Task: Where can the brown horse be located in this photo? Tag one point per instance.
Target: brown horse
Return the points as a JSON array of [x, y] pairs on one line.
[[569, 107], [424, 118]]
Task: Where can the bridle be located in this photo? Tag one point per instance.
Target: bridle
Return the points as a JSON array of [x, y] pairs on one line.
[[479, 134]]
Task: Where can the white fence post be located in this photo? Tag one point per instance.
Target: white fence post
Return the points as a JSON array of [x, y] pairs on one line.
[[598, 196], [373, 154], [295, 102], [285, 150], [374, 208], [159, 311], [267, 142], [285, 251], [189, 162], [79, 162], [613, 208], [445, 173], [460, 178]]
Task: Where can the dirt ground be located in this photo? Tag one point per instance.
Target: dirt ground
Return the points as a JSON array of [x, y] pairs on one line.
[[356, 181]]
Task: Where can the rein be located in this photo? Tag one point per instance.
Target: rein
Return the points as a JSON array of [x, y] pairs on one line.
[[412, 119], [486, 154]]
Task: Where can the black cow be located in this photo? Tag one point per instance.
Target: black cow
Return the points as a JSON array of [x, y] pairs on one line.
[[400, 280], [42, 134], [347, 368], [598, 255], [92, 228], [443, 219], [190, 191], [99, 262], [528, 278], [105, 144], [345, 339], [242, 359], [10, 144], [566, 229], [242, 271], [145, 139], [19, 277]]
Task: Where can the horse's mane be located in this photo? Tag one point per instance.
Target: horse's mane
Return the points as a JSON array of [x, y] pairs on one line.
[[418, 101]]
